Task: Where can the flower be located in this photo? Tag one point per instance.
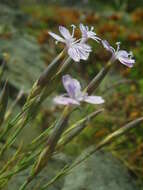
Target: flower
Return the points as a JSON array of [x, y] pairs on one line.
[[86, 33], [123, 56], [74, 94], [76, 50]]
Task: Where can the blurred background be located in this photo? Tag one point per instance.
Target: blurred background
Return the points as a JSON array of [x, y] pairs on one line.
[[24, 39]]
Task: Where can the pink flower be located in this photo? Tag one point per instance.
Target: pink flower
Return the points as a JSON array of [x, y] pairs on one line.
[[74, 94], [76, 50], [123, 56]]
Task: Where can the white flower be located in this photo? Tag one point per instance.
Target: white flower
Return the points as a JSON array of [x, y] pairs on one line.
[[123, 56], [88, 33], [76, 50], [74, 94]]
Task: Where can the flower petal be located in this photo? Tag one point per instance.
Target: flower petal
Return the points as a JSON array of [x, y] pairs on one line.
[[71, 85], [82, 28], [125, 58], [65, 101], [65, 32], [94, 99], [74, 54], [93, 36], [86, 34], [57, 37], [126, 61], [123, 53], [85, 47], [79, 51], [82, 53], [107, 46]]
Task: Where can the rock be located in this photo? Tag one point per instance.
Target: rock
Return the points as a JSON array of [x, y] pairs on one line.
[[25, 57], [101, 171], [25, 63]]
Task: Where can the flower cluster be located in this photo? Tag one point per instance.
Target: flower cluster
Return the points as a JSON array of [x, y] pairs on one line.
[[78, 49]]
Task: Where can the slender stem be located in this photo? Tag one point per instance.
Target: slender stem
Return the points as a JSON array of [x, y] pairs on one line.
[[98, 78], [103, 143], [63, 66], [76, 129], [24, 185], [50, 147], [60, 174], [45, 77], [9, 112], [47, 74]]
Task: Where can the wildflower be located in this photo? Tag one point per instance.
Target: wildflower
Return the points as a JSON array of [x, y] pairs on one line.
[[74, 94], [76, 50], [88, 33], [123, 56]]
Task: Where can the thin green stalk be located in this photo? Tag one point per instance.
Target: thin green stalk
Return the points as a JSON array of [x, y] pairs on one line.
[[14, 121], [10, 109], [45, 77], [23, 164], [24, 185], [50, 71], [11, 124], [12, 138], [41, 99], [3, 102], [64, 65], [50, 147], [60, 174], [50, 87], [12, 160], [76, 129], [87, 118], [98, 78], [20, 123], [104, 142], [38, 140]]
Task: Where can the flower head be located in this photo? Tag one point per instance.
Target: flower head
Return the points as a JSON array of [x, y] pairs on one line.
[[88, 33], [76, 50], [74, 94], [123, 56]]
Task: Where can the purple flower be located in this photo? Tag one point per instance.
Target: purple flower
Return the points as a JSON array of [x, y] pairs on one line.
[[88, 33], [74, 94], [76, 50], [123, 56]]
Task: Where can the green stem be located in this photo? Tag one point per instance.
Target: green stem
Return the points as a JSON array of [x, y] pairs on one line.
[[103, 143], [46, 154], [24, 185], [98, 78]]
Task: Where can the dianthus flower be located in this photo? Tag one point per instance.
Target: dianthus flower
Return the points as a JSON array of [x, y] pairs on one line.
[[76, 50], [122, 55], [74, 94]]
